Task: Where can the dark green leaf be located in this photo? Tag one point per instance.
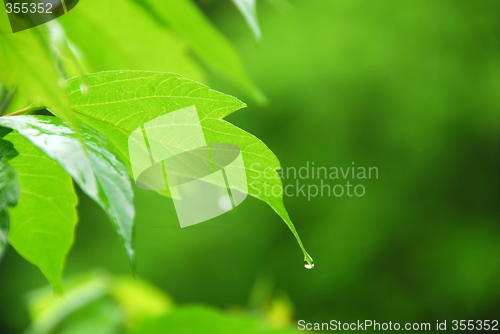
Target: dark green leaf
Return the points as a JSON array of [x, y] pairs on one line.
[[7, 150], [4, 131]]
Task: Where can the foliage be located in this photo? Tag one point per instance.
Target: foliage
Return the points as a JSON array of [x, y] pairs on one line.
[[88, 160], [408, 87], [132, 306], [97, 114]]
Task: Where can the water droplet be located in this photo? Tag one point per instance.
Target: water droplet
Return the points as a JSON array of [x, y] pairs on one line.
[[308, 264]]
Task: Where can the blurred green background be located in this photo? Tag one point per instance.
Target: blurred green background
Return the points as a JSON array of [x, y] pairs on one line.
[[410, 87]]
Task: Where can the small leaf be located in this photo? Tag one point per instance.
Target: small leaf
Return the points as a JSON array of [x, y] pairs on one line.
[[43, 221], [119, 102], [92, 166], [249, 12]]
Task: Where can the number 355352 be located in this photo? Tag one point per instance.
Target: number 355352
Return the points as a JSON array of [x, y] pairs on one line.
[[29, 8], [475, 325]]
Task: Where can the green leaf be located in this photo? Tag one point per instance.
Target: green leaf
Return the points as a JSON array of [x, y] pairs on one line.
[[249, 12], [139, 299], [129, 302], [43, 221], [117, 103], [126, 44], [206, 41], [99, 317], [206, 320], [27, 64], [97, 171], [7, 150], [61, 314], [9, 189]]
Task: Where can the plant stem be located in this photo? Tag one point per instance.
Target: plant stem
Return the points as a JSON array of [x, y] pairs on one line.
[[26, 110]]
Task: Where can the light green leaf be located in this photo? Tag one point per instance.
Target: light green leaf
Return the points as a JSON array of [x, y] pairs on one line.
[[139, 299], [130, 302], [92, 166], [27, 64], [121, 43], [117, 103], [206, 320], [249, 12], [52, 314], [206, 41], [9, 190], [43, 221]]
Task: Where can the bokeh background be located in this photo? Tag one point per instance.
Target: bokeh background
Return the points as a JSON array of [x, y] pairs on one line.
[[410, 87]]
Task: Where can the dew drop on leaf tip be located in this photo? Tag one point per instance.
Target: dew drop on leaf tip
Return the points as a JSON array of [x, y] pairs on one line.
[[307, 265]]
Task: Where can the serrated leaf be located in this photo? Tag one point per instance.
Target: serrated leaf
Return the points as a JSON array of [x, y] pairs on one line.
[[93, 167], [119, 102], [206, 41], [249, 12], [9, 190], [42, 223], [27, 64]]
